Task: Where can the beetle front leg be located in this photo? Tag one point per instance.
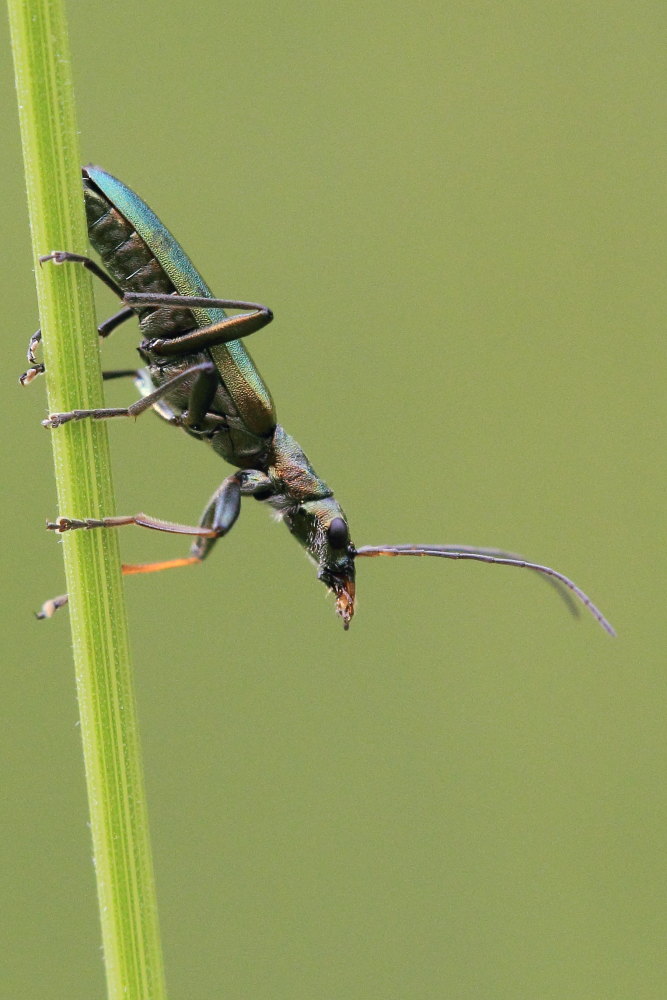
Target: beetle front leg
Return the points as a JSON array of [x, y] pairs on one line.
[[224, 506], [218, 518], [64, 524]]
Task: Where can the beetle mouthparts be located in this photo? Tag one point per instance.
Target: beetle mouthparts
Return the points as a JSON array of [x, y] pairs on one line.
[[344, 590]]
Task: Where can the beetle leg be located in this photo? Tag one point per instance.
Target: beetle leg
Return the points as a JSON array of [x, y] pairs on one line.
[[49, 608], [63, 524], [224, 506], [36, 367], [199, 401], [219, 515], [226, 330], [65, 257], [109, 325], [138, 300], [104, 329], [229, 329], [34, 341], [121, 373], [201, 397], [136, 408], [218, 518]]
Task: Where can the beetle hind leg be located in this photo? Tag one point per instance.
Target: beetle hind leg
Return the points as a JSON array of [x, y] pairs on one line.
[[223, 332]]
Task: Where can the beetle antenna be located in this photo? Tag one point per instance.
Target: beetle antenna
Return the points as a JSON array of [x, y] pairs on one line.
[[497, 556]]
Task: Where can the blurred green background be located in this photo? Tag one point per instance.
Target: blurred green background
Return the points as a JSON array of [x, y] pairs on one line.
[[457, 213]]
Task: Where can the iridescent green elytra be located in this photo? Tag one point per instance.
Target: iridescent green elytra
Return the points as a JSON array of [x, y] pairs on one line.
[[198, 376]]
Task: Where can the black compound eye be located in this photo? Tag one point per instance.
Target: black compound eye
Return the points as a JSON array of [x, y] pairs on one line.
[[338, 533]]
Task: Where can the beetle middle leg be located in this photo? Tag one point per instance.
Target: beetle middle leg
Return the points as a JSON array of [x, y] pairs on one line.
[[200, 395]]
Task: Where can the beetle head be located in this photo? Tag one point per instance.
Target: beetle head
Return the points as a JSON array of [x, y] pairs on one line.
[[321, 527]]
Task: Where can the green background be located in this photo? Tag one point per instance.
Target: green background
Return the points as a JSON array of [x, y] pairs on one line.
[[457, 213]]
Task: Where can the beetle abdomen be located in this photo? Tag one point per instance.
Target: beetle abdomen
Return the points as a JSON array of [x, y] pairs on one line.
[[132, 264], [123, 219]]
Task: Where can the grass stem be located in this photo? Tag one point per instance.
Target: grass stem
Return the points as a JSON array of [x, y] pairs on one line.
[[123, 865]]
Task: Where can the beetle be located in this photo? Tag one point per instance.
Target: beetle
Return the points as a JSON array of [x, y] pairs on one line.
[[197, 375]]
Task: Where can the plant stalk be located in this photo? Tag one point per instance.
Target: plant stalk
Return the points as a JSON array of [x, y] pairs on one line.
[[114, 776]]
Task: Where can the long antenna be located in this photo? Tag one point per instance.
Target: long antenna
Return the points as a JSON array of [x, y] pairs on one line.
[[496, 556]]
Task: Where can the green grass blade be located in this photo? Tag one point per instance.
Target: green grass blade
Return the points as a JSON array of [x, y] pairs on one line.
[[106, 701]]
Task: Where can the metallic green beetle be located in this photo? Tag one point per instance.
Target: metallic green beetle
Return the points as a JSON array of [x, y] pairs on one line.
[[199, 377]]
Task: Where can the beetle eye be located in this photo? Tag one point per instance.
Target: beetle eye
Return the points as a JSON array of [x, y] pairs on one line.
[[338, 533]]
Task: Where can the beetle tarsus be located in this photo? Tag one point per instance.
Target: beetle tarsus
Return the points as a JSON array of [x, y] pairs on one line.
[[31, 373], [49, 608]]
